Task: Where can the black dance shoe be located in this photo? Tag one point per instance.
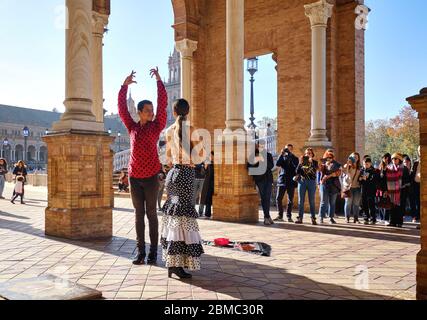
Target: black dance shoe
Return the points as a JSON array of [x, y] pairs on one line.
[[139, 258], [152, 258], [179, 272]]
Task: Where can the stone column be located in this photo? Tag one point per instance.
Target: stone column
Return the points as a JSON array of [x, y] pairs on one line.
[[419, 103], [80, 193], [235, 39], [186, 48], [78, 70], [319, 13], [235, 198], [99, 22]]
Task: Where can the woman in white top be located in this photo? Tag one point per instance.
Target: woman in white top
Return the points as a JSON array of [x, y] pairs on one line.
[[352, 192], [180, 238]]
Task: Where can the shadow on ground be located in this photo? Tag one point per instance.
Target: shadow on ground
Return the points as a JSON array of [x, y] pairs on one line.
[[224, 275]]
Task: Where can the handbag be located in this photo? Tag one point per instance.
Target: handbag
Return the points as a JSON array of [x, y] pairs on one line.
[[347, 193]]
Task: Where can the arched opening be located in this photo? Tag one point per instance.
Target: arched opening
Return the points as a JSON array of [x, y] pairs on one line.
[[264, 99], [19, 152], [31, 154], [6, 150], [43, 155]]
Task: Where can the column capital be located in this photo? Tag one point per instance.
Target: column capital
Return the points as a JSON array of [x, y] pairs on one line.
[[319, 13], [186, 47], [99, 22]]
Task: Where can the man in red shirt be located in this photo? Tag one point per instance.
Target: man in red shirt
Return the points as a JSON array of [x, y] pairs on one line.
[[144, 164]]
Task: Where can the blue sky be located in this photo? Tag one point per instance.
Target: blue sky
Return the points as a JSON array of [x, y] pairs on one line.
[[32, 63]]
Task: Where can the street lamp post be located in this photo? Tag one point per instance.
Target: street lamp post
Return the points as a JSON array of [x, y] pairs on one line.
[[252, 69], [119, 135], [26, 133], [5, 145]]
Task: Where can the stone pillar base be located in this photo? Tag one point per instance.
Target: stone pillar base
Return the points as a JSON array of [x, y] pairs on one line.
[[79, 224], [80, 194], [422, 275], [235, 198], [240, 208]]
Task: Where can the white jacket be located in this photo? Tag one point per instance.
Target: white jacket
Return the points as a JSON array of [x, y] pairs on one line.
[[19, 187]]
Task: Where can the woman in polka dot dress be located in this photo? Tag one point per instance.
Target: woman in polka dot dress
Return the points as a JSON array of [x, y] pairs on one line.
[[180, 238]]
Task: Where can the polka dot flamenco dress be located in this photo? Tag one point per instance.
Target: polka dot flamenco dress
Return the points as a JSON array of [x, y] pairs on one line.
[[180, 238]]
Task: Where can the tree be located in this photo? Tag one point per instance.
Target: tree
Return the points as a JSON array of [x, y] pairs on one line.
[[399, 134]]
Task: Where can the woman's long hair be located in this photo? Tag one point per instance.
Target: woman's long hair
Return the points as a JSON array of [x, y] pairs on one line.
[[181, 108], [4, 161], [21, 164], [358, 165]]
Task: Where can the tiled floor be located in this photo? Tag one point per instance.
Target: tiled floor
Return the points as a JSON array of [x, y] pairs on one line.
[[307, 262]]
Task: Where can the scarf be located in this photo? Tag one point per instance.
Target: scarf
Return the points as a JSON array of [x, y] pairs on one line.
[[394, 176]]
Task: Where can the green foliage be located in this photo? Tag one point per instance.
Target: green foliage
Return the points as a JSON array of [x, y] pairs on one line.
[[399, 134]]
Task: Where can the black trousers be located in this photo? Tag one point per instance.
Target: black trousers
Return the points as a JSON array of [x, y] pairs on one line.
[[281, 190], [415, 201], [208, 201], [16, 195], [396, 215], [144, 198], [368, 205]]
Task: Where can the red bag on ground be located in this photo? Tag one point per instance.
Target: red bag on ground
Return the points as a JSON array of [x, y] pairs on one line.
[[222, 242]]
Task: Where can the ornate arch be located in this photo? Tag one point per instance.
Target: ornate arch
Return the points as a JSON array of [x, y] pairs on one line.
[[187, 19]]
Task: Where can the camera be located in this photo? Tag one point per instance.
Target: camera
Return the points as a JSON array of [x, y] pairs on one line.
[[285, 152]]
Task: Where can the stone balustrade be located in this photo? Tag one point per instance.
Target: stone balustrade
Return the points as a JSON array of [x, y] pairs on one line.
[[34, 179]]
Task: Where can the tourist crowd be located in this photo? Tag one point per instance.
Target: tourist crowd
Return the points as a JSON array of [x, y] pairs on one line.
[[387, 192]]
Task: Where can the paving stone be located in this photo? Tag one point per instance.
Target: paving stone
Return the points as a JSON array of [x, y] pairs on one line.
[[296, 270]]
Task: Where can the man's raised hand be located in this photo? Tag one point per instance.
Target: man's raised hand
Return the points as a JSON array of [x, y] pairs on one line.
[[130, 79], [155, 72]]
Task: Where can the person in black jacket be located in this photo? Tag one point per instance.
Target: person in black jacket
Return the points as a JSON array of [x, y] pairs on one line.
[[288, 163], [208, 188], [20, 170], [369, 179], [263, 162]]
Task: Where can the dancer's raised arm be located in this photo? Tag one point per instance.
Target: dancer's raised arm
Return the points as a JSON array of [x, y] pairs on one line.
[[162, 101], [122, 103]]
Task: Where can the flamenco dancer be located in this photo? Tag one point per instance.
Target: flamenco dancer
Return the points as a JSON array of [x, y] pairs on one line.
[[180, 238]]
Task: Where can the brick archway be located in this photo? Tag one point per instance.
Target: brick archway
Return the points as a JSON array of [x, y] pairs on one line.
[[186, 16]]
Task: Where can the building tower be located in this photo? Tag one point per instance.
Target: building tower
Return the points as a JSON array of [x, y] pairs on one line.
[[173, 85], [132, 108]]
